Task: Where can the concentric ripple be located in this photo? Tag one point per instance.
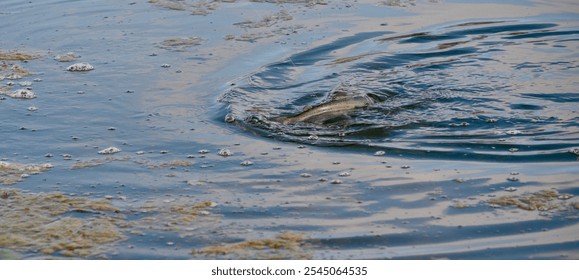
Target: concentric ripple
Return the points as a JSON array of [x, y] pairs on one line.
[[484, 90]]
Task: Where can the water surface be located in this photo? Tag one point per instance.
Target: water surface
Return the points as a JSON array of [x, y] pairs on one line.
[[473, 116]]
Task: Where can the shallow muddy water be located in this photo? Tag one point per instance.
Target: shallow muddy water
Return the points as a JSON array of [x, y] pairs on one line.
[[225, 129]]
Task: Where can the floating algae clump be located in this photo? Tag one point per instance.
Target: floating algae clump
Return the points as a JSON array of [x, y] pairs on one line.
[[288, 245], [542, 200], [34, 222], [11, 173], [17, 55], [172, 214], [181, 43], [96, 162], [11, 71]]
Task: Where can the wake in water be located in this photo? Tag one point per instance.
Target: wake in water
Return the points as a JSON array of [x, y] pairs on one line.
[[499, 90]]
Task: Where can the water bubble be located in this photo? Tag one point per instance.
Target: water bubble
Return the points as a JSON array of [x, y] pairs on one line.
[[513, 132], [109, 151], [344, 174], [25, 83], [229, 118], [22, 94], [462, 124], [80, 67], [246, 163], [224, 152], [513, 179], [313, 137], [67, 57], [32, 108]]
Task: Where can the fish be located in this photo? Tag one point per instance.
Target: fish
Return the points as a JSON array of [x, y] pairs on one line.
[[328, 111]]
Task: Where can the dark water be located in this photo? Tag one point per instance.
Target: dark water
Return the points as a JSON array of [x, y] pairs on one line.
[[492, 90], [474, 105]]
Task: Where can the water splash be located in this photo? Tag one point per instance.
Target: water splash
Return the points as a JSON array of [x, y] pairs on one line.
[[452, 91]]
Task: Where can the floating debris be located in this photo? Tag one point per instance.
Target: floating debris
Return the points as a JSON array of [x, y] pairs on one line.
[[511, 189], [165, 65], [11, 173], [109, 151], [287, 245], [405, 166], [574, 151], [513, 179], [203, 151], [80, 67], [379, 153], [513, 132], [225, 153], [513, 150], [67, 57], [306, 175], [336, 181]]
